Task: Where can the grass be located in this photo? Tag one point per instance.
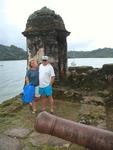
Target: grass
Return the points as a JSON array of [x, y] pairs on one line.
[[14, 114]]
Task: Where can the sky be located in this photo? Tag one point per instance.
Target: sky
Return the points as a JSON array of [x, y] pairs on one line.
[[89, 21]]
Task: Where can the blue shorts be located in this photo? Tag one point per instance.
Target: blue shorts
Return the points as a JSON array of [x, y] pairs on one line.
[[46, 91]]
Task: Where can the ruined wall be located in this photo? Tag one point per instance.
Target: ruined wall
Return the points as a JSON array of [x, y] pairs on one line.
[[89, 78]]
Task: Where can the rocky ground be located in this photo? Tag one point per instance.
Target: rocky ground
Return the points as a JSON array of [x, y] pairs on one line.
[[17, 122]]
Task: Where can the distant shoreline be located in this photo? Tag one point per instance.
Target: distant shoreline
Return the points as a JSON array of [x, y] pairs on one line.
[[13, 60]]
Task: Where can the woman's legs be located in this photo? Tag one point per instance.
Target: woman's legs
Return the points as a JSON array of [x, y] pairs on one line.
[[34, 104], [30, 106], [36, 99]]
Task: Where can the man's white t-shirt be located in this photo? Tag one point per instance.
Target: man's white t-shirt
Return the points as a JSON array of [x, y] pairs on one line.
[[45, 74]]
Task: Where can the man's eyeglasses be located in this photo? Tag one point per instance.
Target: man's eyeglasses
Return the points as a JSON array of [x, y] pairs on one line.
[[44, 60]]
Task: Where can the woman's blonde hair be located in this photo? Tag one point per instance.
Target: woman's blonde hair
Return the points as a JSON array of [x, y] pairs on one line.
[[31, 61]]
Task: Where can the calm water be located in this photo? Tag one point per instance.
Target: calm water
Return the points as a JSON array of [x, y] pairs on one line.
[[12, 74], [95, 62]]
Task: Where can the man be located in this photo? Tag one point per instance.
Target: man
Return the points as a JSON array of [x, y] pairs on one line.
[[46, 79]]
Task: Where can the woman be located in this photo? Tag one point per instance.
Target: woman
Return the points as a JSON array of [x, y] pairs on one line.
[[32, 76]]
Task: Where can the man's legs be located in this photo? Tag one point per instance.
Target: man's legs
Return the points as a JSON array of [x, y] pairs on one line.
[[49, 92], [44, 103], [46, 93], [51, 101], [43, 98]]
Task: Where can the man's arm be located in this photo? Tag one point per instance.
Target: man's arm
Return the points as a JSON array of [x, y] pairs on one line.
[[52, 80]]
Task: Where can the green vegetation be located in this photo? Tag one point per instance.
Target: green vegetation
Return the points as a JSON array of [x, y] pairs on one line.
[[15, 53], [12, 53], [99, 53], [15, 114]]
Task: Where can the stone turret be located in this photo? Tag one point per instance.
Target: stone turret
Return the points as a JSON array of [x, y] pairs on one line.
[[46, 35]]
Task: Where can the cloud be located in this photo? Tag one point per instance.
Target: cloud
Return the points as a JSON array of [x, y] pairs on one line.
[[81, 46], [90, 22]]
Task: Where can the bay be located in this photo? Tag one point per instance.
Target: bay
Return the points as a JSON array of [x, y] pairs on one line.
[[12, 74], [94, 62]]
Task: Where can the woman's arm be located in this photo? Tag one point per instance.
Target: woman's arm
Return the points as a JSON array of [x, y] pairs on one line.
[[26, 80]]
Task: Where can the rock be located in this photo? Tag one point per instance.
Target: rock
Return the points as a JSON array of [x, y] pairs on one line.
[[80, 69], [95, 100], [39, 139], [108, 68], [58, 142], [68, 94], [26, 148], [103, 93], [8, 143], [34, 134], [92, 115], [73, 95], [18, 132]]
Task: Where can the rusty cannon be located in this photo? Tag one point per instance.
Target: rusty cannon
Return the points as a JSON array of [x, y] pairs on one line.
[[84, 135]]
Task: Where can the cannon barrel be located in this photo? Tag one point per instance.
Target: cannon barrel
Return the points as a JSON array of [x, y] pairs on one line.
[[85, 135]]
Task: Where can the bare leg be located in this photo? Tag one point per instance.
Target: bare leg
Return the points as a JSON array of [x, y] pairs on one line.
[[51, 103], [44, 99], [30, 106], [35, 102]]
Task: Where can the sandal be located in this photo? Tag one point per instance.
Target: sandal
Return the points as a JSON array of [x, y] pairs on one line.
[[34, 111]]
